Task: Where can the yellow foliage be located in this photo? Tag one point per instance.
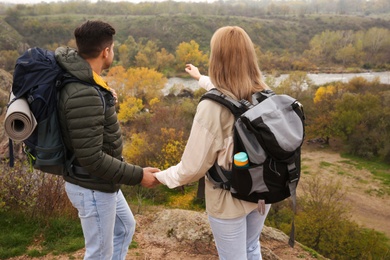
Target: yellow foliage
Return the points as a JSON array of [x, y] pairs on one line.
[[324, 93], [154, 101], [116, 78], [190, 53], [182, 201], [142, 83], [172, 149], [129, 108], [134, 149]]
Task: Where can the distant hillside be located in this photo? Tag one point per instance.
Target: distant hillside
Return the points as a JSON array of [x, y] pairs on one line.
[[288, 33], [9, 37]]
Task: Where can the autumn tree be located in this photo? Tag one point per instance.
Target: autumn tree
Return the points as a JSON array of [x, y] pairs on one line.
[[142, 83], [129, 108], [117, 79], [172, 149], [190, 53], [146, 56], [137, 148], [360, 85], [165, 61], [322, 123]]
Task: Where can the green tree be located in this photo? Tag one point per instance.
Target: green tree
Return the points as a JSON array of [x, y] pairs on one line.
[[323, 224], [376, 40], [124, 55], [165, 61], [356, 118], [295, 84], [318, 222], [323, 47], [7, 59], [146, 56], [128, 53]]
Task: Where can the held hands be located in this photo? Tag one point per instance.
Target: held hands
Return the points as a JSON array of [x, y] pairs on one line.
[[261, 206], [193, 71], [149, 181]]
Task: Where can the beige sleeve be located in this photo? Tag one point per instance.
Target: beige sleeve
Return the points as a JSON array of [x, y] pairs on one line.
[[206, 140], [205, 82]]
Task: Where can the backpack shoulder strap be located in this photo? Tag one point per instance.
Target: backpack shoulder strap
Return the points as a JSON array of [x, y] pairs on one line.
[[68, 78], [260, 96], [236, 107]]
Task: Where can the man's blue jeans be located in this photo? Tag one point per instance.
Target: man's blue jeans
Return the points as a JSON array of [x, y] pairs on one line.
[[107, 221], [239, 238]]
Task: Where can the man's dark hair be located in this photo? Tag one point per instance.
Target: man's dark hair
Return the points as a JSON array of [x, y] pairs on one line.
[[92, 37]]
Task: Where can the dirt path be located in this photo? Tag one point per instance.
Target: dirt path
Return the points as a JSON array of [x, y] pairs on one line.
[[367, 208]]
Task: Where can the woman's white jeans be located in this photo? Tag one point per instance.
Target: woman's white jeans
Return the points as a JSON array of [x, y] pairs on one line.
[[107, 221], [239, 238]]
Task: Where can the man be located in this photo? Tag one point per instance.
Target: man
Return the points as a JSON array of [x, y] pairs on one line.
[[92, 134]]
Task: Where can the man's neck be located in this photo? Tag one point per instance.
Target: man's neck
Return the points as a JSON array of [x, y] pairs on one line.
[[95, 65]]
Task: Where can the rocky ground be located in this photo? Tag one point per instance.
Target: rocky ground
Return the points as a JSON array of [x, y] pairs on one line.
[[177, 234]]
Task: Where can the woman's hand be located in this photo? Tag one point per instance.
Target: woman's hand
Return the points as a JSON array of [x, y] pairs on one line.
[[193, 71]]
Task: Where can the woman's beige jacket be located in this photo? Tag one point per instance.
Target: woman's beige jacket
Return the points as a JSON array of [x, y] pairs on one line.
[[211, 139]]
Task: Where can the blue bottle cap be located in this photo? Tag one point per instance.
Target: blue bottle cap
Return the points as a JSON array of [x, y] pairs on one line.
[[241, 157]]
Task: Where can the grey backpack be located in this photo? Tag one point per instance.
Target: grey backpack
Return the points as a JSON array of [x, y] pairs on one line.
[[271, 132]]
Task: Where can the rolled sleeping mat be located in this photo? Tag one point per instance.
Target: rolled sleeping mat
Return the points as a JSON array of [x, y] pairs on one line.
[[19, 122]]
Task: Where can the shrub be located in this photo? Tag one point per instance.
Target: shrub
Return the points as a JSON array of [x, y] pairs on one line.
[[32, 192]]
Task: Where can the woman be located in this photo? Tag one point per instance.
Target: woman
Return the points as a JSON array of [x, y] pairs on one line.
[[233, 69]]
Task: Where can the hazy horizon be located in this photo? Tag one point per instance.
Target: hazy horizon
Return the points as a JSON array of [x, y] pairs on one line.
[[94, 1]]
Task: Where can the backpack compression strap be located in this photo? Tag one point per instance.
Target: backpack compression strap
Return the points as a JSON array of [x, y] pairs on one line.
[[293, 187]]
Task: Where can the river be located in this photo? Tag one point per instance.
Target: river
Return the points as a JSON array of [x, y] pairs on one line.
[[317, 78]]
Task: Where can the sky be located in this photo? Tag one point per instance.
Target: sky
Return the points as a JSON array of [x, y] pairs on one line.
[[132, 1]]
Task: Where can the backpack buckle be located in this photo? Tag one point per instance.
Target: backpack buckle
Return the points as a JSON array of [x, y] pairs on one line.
[[246, 103], [292, 172], [225, 186]]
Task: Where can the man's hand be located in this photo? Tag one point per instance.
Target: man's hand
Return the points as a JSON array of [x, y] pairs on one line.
[[114, 94], [193, 71], [149, 181]]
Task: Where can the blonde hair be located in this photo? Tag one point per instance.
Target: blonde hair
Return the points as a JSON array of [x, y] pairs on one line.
[[233, 67]]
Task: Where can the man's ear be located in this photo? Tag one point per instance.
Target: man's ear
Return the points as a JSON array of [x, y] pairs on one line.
[[106, 52]]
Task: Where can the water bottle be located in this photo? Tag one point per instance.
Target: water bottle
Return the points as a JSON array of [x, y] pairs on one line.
[[241, 160]]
